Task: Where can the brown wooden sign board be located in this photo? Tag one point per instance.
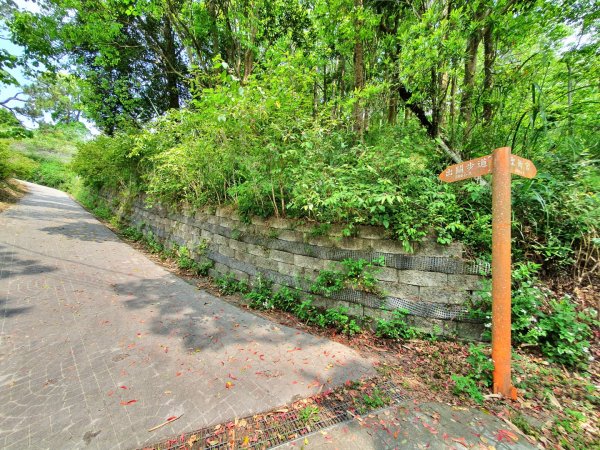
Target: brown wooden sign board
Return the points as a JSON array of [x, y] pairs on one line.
[[484, 166], [521, 166], [501, 164], [468, 169]]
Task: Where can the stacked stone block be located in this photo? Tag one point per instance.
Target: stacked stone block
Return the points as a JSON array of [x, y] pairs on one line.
[[433, 283]]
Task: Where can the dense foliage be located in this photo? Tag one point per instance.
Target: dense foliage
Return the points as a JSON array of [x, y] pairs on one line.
[[554, 325], [41, 155], [337, 111], [334, 110]]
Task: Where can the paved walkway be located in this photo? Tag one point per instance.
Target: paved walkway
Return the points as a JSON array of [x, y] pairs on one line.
[[98, 343], [411, 426]]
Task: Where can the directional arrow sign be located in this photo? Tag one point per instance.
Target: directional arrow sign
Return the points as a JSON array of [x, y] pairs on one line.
[[500, 164]]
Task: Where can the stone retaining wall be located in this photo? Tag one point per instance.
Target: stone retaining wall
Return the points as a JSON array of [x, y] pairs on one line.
[[433, 283]]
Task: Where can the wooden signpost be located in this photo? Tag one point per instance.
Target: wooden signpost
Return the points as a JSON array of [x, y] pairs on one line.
[[501, 164]]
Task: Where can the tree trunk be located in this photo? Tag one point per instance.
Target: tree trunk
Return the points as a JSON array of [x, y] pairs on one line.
[[569, 98], [249, 53], [392, 115], [489, 53], [324, 83], [315, 98], [452, 112], [466, 105], [439, 116], [171, 63], [439, 81], [248, 64], [214, 30], [360, 114]]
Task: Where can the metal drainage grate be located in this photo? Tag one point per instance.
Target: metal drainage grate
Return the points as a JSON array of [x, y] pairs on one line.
[[279, 428]]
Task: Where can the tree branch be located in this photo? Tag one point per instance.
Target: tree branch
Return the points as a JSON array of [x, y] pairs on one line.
[[13, 98]]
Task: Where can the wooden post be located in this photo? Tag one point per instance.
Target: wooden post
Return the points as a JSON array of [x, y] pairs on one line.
[[501, 272], [501, 164]]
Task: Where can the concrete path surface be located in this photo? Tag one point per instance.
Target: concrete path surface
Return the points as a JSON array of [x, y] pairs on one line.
[[409, 426], [98, 343]]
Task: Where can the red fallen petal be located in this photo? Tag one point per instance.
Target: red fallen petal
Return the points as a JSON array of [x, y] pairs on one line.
[[232, 377], [123, 387], [130, 402], [171, 418], [506, 435], [262, 357], [178, 374]]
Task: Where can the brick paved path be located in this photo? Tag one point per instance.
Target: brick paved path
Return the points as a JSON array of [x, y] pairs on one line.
[[98, 343]]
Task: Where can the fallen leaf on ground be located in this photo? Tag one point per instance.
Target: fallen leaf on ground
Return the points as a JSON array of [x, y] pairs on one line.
[[192, 440], [461, 441], [505, 435]]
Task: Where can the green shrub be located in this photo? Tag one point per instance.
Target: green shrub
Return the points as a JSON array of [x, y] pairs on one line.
[[318, 319], [328, 282], [152, 243], [397, 327], [204, 267], [481, 364], [286, 299], [305, 310], [467, 385], [52, 173], [184, 260], [15, 164], [562, 333], [374, 400], [357, 274], [229, 285], [309, 414], [133, 234], [261, 295], [105, 162], [5, 167], [11, 127], [360, 273], [339, 319], [479, 374]]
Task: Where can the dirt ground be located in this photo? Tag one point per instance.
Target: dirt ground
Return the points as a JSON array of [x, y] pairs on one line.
[[10, 193]]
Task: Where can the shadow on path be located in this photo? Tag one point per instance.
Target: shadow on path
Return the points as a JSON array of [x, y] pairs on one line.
[[11, 265], [7, 312], [84, 231]]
